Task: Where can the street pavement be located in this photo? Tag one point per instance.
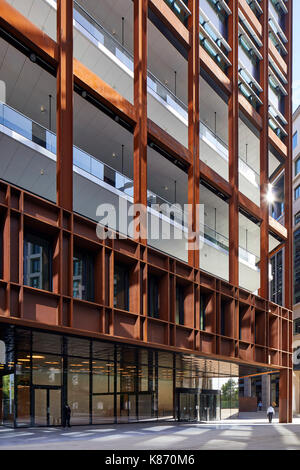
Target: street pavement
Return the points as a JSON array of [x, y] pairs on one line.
[[249, 432]]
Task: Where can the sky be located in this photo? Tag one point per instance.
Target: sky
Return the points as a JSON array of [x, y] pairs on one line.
[[296, 55]]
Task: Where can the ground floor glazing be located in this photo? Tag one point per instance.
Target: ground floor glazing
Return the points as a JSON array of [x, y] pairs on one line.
[[107, 382]]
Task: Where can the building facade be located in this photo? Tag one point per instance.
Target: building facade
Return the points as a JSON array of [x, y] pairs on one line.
[[296, 225], [145, 195]]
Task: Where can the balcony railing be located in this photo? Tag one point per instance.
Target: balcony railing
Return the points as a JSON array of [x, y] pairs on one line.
[[25, 127], [215, 237], [103, 37], [154, 85], [223, 242], [34, 132], [221, 147], [180, 8]]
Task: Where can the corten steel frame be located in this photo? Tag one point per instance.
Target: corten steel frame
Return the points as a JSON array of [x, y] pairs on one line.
[[58, 310]]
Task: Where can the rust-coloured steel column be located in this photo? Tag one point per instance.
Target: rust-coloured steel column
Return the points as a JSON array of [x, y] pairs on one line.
[[64, 165], [194, 134], [264, 155], [285, 396], [233, 144], [288, 259], [140, 104]]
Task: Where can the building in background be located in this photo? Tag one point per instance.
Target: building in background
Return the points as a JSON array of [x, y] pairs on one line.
[[159, 103], [296, 225]]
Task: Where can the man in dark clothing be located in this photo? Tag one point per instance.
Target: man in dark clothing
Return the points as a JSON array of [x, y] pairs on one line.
[[67, 416]]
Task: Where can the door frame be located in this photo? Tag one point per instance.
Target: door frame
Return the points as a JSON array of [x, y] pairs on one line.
[[188, 391], [198, 394], [48, 388]]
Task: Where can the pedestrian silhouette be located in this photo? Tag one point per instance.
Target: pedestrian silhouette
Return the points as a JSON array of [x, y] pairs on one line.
[[67, 411]]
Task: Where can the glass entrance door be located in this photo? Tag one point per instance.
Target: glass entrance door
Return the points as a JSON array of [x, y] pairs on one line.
[[209, 407], [188, 406], [7, 397], [195, 406], [47, 406], [126, 406]]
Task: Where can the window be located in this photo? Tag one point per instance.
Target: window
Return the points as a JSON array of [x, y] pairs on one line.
[[83, 276], [297, 192], [297, 326], [276, 282], [297, 266], [297, 167], [241, 387], [121, 287], [223, 309], [37, 262], [240, 322], [295, 140], [297, 218], [202, 312], [153, 297], [180, 305]]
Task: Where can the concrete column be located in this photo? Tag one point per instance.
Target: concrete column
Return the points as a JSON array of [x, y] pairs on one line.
[[266, 391], [247, 387]]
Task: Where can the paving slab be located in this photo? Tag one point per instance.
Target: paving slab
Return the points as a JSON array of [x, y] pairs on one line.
[[245, 433]]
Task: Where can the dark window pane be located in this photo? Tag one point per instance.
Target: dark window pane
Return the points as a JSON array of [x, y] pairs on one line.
[[37, 262], [276, 283], [121, 287], [202, 312], [153, 297], [297, 266], [297, 167], [295, 140], [83, 276], [180, 305]]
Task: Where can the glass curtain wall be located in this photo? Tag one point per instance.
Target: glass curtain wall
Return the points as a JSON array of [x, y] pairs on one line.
[[107, 383]]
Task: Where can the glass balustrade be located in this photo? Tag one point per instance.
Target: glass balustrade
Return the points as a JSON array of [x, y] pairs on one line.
[[209, 137], [155, 86], [103, 37], [222, 241], [25, 127], [248, 257], [214, 237], [221, 148]]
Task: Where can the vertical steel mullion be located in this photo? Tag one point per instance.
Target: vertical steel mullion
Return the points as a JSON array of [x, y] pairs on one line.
[[64, 395], [91, 384], [115, 384]]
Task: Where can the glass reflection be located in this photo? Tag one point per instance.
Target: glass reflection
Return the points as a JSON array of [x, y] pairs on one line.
[[79, 390]]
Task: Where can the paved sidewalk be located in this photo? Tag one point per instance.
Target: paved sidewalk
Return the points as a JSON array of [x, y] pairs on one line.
[[238, 434]]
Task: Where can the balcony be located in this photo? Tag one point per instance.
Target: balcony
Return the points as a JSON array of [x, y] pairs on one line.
[[32, 167], [114, 63], [171, 113], [212, 22], [180, 8]]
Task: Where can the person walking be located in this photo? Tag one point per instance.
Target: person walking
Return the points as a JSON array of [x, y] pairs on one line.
[[259, 405], [270, 413], [67, 410]]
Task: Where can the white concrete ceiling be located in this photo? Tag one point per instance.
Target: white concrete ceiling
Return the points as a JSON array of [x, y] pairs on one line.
[[39, 12], [27, 85]]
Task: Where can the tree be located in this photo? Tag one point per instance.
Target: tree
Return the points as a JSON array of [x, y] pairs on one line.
[[230, 393]]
